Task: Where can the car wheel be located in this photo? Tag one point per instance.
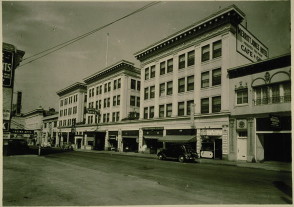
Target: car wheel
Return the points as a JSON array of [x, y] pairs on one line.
[[161, 157], [181, 158]]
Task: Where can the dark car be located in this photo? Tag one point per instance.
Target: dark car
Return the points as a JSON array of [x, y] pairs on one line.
[[181, 152], [16, 146]]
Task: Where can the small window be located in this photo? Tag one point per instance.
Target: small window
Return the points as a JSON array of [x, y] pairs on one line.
[[152, 91], [161, 110], [133, 84], [170, 65], [216, 77], [146, 113], [216, 104], [182, 61], [146, 73], [205, 80], [190, 83], [181, 108], [242, 96], [205, 105], [151, 112], [191, 58], [217, 49], [169, 110], [181, 85], [162, 89], [169, 86], [162, 68], [152, 73], [205, 53], [146, 90]]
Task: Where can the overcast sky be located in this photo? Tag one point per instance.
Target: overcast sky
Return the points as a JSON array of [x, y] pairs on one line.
[[36, 26]]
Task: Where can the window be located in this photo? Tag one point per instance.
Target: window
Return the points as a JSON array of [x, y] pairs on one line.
[[61, 113], [113, 116], [216, 104], [181, 108], [146, 73], [146, 113], [191, 58], [287, 92], [133, 84], [138, 85], [190, 104], [170, 65], [104, 118], [182, 61], [114, 84], [162, 89], [118, 100], [65, 101], [216, 77], [146, 93], [55, 124], [242, 96], [108, 102], [205, 53], [97, 104], [205, 79], [205, 105], [100, 104], [152, 71], [107, 117], [117, 116], [169, 110], [242, 134], [275, 93], [190, 83], [61, 103], [65, 112], [132, 101], [152, 91], [261, 95], [151, 112], [138, 101], [118, 83], [161, 110], [109, 86], [169, 86], [162, 68], [105, 103], [181, 85], [100, 89], [97, 92], [105, 87], [217, 49]]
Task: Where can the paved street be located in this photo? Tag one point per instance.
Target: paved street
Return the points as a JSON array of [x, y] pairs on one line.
[[82, 178]]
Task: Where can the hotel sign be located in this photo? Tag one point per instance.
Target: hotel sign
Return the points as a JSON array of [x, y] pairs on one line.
[[7, 70], [249, 46]]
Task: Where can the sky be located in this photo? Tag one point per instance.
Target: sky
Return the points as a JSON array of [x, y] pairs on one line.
[[36, 26]]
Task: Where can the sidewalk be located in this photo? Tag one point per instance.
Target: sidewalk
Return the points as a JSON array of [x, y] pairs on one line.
[[269, 165]]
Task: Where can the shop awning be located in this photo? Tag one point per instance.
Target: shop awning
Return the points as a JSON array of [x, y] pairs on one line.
[[134, 137], [177, 138], [152, 137]]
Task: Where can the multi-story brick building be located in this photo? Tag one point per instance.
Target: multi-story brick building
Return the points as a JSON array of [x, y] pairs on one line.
[[260, 106], [72, 101]]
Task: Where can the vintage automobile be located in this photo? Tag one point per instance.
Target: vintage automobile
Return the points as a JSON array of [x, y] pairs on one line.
[[181, 152]]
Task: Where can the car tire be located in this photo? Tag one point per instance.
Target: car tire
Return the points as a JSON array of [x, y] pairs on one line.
[[181, 158], [161, 157]]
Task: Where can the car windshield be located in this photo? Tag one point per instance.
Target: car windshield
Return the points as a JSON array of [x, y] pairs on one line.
[[189, 148]]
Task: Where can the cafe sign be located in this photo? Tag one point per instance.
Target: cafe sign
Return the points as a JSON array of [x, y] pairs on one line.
[[249, 46]]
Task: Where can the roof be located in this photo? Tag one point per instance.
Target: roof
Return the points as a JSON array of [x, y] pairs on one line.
[[231, 14], [73, 87], [121, 65], [261, 66], [52, 116], [35, 111]]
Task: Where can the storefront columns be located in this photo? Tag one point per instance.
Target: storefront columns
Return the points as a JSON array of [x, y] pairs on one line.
[[119, 141], [141, 149], [225, 142], [106, 143], [251, 140], [85, 140], [198, 141], [67, 137], [232, 140]]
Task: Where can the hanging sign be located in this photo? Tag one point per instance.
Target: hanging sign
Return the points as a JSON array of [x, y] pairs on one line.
[[7, 68]]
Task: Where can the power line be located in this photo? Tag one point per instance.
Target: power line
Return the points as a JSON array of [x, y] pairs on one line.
[[71, 41]]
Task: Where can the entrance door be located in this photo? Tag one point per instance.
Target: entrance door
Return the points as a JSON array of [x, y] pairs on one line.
[[242, 149]]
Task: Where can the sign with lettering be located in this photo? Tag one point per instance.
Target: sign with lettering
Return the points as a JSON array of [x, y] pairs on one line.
[[22, 131], [249, 46], [7, 70], [92, 111]]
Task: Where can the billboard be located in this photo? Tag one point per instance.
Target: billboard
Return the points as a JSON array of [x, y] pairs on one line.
[[249, 46]]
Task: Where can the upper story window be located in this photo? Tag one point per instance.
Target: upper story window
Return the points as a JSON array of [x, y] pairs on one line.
[[146, 113], [133, 101], [181, 108], [182, 62], [217, 49], [146, 93], [114, 84], [162, 89], [169, 88], [170, 65], [205, 105], [152, 71], [105, 87], [118, 100], [65, 101], [162, 68], [152, 91], [146, 73], [61, 102], [216, 104], [191, 58], [138, 101], [205, 79], [133, 84], [161, 111], [190, 104], [205, 53], [138, 85], [151, 112], [190, 83], [169, 110], [109, 86], [242, 96], [216, 77], [118, 83], [181, 85]]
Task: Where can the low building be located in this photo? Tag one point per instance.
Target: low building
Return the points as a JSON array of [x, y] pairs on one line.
[[260, 105], [50, 130]]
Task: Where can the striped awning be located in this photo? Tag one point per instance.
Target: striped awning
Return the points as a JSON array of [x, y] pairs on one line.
[[178, 138]]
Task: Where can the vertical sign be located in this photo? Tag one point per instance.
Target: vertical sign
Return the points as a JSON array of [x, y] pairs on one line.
[[7, 70], [249, 46], [225, 139]]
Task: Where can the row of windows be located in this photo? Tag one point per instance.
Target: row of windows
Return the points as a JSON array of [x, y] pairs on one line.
[[68, 111], [48, 124], [68, 122], [216, 51], [216, 105], [135, 101], [106, 118], [216, 78], [107, 88], [106, 102], [182, 82], [135, 84], [69, 100]]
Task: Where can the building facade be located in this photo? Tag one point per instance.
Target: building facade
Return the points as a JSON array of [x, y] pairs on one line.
[[72, 101], [50, 130], [260, 105]]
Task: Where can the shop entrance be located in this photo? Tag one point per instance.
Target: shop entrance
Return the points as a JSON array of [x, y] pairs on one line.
[[130, 145], [277, 147], [99, 140]]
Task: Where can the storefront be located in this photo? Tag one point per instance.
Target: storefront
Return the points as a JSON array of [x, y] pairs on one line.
[[211, 143], [112, 140], [151, 135], [130, 140]]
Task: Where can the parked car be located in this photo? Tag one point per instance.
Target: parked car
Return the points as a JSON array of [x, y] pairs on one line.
[[16, 146], [181, 152]]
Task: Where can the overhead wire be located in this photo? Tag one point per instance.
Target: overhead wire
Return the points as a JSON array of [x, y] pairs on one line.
[[71, 41]]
